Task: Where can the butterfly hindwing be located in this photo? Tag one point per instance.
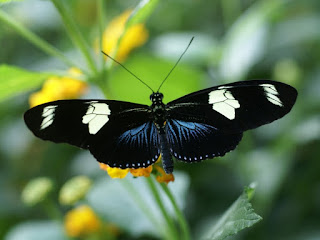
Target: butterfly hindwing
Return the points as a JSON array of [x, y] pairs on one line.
[[192, 141], [115, 132], [235, 107], [133, 148]]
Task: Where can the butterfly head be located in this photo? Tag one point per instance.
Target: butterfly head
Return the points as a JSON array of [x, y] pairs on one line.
[[156, 98]]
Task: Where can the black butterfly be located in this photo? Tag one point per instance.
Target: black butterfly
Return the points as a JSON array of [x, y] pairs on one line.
[[200, 125]]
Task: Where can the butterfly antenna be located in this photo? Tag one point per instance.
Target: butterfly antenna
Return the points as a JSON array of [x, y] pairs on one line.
[[127, 70], [176, 64]]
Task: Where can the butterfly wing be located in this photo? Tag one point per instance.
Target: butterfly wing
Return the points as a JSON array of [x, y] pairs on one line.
[[194, 141], [215, 117], [117, 133]]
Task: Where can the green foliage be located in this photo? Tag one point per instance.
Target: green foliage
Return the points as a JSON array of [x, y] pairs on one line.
[[239, 216], [142, 12], [16, 80]]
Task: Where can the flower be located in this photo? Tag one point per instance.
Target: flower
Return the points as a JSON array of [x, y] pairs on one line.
[[145, 172], [139, 172], [36, 190], [114, 172], [81, 221], [56, 88], [135, 36], [163, 177], [74, 190]]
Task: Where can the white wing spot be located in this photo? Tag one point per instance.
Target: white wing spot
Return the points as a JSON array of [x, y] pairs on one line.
[[48, 116], [223, 102], [272, 94], [96, 116]]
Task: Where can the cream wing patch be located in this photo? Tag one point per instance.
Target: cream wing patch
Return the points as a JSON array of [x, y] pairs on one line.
[[272, 94], [224, 103], [48, 116], [96, 116]]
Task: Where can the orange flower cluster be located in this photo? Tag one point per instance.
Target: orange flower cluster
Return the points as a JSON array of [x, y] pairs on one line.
[[139, 172]]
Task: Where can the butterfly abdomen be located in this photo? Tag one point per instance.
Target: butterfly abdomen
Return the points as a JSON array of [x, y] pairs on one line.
[[167, 161]]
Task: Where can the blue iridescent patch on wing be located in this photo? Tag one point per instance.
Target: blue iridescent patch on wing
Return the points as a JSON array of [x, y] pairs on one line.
[[178, 131], [142, 135]]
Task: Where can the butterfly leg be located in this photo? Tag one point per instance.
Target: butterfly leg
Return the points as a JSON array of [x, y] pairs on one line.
[[167, 161]]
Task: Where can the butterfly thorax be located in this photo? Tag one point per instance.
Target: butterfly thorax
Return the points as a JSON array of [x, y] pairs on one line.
[[158, 109], [159, 116]]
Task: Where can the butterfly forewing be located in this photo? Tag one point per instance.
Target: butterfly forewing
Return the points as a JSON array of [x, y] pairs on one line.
[[235, 107], [60, 121], [115, 132]]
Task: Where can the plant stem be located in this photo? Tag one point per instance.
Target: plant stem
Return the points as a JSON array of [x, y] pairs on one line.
[[181, 219], [34, 39], [130, 188], [173, 234], [75, 34], [52, 210]]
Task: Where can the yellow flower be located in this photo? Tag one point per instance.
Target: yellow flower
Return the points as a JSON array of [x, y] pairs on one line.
[[141, 171], [81, 221], [56, 88], [38, 98], [134, 37], [114, 172], [163, 177], [122, 173]]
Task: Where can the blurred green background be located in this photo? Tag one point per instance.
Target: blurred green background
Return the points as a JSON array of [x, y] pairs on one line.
[[234, 40]]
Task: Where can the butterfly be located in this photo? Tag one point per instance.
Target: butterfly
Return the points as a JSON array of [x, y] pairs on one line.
[[198, 126]]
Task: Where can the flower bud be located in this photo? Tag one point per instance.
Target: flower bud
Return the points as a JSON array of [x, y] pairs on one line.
[[36, 191], [74, 190]]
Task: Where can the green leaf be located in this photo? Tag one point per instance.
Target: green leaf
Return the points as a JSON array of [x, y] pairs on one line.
[[15, 80], [239, 216], [142, 12]]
